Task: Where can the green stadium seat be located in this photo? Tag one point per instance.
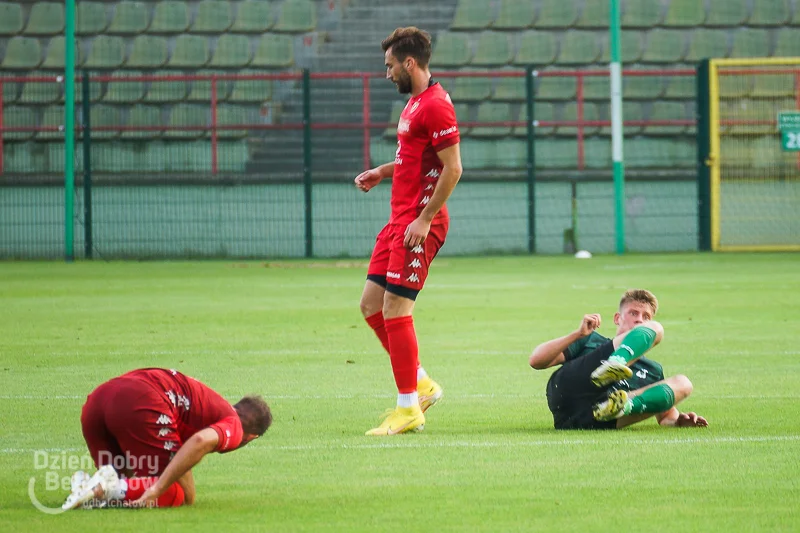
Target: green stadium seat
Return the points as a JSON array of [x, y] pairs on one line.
[[769, 13], [536, 48], [23, 158], [707, 44], [148, 51], [514, 15], [274, 51], [796, 17], [735, 86], [493, 49], [557, 14], [597, 152], [54, 58], [50, 157], [46, 18], [579, 48], [35, 92], [230, 115], [11, 21], [630, 111], [596, 88], [52, 117], [105, 116], [631, 45], [297, 16], [251, 90], [130, 18], [381, 150], [681, 88], [463, 115], [788, 43], [748, 110], [685, 14], [124, 91], [570, 113], [90, 18], [191, 51], [493, 112], [107, 52], [166, 91], [143, 116], [773, 85], [751, 43], [664, 46], [22, 53], [451, 50], [642, 87], [19, 117], [595, 15], [667, 111], [542, 112], [253, 16], [511, 153], [510, 90], [683, 152], [213, 16], [556, 88], [95, 91], [466, 89], [556, 153], [648, 153], [185, 115], [394, 117], [472, 15], [477, 155], [232, 156], [233, 51], [726, 13], [201, 89], [170, 16], [641, 14]]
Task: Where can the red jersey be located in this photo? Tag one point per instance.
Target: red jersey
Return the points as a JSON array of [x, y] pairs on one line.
[[193, 405], [427, 125]]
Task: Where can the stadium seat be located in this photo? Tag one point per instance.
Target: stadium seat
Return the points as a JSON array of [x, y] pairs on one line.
[[130, 18], [382, 150], [183, 116], [166, 91], [463, 116], [54, 58], [735, 86], [664, 46], [52, 117], [233, 51], [751, 43], [510, 153], [105, 116], [466, 89], [22, 53], [597, 152], [95, 90], [251, 90], [493, 112], [542, 112], [596, 88], [125, 91], [642, 87], [297, 16], [213, 16], [474, 154], [493, 49], [90, 18], [19, 117], [201, 89], [646, 152], [230, 115], [394, 117], [274, 51], [536, 48], [595, 15], [726, 13], [510, 89], [557, 14], [169, 16], [36, 92], [22, 158], [685, 14], [681, 88], [570, 113], [707, 44], [556, 153], [143, 116], [556, 88], [232, 156], [451, 50], [667, 111], [51, 157], [796, 17], [769, 13], [253, 16], [45, 18], [641, 14], [191, 51], [11, 21], [11, 89], [472, 15], [107, 52], [630, 111], [578, 48], [788, 43], [630, 46], [148, 51], [514, 15], [748, 111], [773, 85]]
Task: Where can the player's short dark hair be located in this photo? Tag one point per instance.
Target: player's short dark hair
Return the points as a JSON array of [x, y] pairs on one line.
[[410, 41], [255, 415], [639, 295]]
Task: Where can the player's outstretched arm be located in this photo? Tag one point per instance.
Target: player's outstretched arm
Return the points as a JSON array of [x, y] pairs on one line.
[[193, 450], [370, 178], [551, 353]]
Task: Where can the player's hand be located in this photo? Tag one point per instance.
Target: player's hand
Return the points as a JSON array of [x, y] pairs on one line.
[[149, 498], [416, 233], [589, 323], [691, 420], [368, 179]]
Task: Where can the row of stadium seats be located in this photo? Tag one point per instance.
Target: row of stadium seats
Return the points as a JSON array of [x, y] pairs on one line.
[[563, 14], [270, 50], [164, 17], [578, 47]]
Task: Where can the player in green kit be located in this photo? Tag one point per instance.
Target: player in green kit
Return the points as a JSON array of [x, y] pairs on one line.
[[607, 383]]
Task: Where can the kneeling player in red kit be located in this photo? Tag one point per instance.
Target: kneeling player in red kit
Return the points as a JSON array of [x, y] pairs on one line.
[[147, 429]]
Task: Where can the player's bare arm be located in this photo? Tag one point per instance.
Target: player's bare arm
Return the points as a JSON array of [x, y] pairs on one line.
[[551, 353], [418, 230], [186, 482], [370, 178]]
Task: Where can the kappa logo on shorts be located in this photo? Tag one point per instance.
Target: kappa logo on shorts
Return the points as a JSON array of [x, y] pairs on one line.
[[415, 250], [169, 445], [163, 432], [429, 187], [425, 200], [415, 263], [413, 278], [164, 419]]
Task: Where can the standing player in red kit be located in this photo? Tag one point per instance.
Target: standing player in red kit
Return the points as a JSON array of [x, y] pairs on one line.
[[154, 425], [426, 169]]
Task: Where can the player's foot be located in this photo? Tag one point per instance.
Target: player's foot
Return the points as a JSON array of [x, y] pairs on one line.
[[400, 420], [429, 392], [104, 484], [612, 408], [610, 372]]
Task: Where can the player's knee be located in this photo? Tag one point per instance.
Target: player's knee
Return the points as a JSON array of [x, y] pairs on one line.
[[657, 327], [681, 385]]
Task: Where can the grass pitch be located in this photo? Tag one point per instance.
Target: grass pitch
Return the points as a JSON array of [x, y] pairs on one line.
[[488, 459]]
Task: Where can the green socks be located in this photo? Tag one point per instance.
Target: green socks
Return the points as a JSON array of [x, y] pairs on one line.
[[634, 345], [653, 400]]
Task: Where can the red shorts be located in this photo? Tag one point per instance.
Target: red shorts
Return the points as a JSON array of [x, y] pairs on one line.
[[131, 426], [406, 267]]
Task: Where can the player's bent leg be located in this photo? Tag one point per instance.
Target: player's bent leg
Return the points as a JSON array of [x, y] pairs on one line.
[[629, 347], [654, 399], [610, 372], [612, 408], [372, 296]]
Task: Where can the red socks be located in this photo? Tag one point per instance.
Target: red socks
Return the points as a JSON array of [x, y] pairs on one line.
[[376, 323], [403, 351], [173, 497]]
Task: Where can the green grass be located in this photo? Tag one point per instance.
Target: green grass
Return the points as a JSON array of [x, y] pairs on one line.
[[488, 459]]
